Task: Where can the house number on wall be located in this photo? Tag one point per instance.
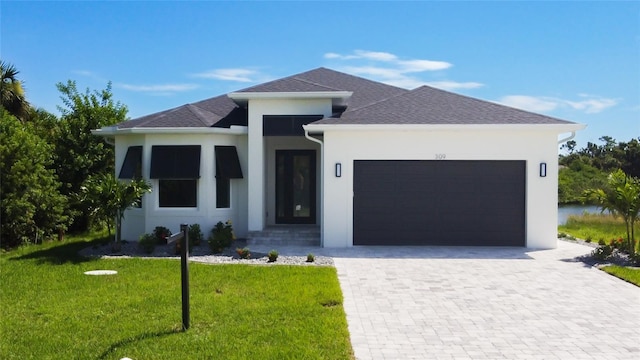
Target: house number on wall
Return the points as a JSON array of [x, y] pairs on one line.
[[440, 156]]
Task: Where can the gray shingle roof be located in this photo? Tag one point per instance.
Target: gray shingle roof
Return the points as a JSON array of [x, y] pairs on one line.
[[365, 92], [204, 113], [371, 103], [427, 105]]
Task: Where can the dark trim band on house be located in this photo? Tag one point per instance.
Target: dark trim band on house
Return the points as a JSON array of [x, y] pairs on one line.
[[286, 125], [175, 162], [227, 163], [132, 165]]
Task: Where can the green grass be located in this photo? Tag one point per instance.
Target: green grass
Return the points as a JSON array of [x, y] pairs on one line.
[[631, 275], [596, 227], [51, 310]]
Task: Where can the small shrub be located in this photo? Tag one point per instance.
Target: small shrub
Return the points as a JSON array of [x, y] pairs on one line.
[[562, 235], [221, 237], [311, 257], [588, 239], [570, 237], [161, 234], [602, 252], [601, 242], [195, 234], [273, 255], [244, 253], [147, 243]]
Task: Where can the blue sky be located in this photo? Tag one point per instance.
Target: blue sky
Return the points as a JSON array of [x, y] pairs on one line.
[[578, 61]]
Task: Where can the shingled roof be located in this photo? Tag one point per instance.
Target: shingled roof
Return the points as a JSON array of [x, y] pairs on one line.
[[427, 105], [371, 103]]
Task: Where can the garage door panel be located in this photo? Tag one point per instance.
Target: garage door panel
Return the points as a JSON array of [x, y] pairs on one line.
[[439, 203]]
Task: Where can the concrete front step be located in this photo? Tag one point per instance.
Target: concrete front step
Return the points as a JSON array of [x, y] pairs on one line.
[[285, 236]]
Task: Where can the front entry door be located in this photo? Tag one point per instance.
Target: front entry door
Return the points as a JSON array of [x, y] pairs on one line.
[[295, 186]]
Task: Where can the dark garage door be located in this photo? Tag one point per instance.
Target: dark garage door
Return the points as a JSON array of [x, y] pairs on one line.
[[406, 202]]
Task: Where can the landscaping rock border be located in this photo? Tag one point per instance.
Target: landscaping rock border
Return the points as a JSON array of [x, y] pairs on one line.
[[202, 254]]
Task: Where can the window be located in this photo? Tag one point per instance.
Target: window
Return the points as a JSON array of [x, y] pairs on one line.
[[177, 169], [223, 193], [227, 167], [178, 193]]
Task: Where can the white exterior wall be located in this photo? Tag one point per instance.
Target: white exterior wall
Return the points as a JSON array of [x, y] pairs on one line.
[[533, 147], [144, 220], [258, 152]]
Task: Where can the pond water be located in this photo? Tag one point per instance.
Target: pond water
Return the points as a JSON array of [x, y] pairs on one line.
[[564, 211]]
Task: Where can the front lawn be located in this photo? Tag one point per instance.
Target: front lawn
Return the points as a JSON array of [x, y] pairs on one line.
[[50, 309]]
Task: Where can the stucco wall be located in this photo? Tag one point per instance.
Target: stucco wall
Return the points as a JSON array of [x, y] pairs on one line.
[[144, 220], [533, 147]]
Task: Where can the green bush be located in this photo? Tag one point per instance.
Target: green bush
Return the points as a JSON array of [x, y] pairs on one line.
[[602, 252], [148, 243], [273, 255], [161, 234], [244, 253], [562, 235], [311, 257], [195, 235], [221, 237]]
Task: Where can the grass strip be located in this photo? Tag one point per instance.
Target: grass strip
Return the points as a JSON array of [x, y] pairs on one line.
[[629, 274]]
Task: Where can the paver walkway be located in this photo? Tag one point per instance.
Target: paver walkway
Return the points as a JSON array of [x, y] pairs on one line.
[[484, 303]]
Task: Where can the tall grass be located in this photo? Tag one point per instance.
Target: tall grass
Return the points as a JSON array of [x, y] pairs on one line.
[[596, 227]]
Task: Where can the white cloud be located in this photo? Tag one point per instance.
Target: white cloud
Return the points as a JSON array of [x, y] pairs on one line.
[[375, 55], [589, 104], [391, 69], [592, 105], [423, 65], [161, 88], [529, 103], [238, 74], [453, 85]]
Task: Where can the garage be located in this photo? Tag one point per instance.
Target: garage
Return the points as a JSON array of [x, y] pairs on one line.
[[421, 202]]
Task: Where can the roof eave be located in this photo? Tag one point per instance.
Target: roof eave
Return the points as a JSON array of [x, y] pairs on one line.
[[111, 131], [243, 97], [559, 128]]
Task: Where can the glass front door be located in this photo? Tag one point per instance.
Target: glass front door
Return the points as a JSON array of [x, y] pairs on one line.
[[295, 186]]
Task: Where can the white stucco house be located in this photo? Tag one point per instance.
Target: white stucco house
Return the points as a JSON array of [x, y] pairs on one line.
[[363, 162]]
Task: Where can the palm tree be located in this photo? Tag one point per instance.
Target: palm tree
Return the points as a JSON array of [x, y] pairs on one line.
[[621, 197], [12, 92]]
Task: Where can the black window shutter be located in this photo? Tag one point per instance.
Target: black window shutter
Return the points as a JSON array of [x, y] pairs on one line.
[[175, 162], [132, 165], [227, 163]]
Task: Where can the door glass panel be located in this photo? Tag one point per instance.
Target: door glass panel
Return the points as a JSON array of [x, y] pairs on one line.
[[295, 187], [301, 192], [280, 185]]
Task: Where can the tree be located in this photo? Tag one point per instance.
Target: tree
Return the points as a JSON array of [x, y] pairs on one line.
[[12, 92], [107, 198], [32, 207], [79, 154], [621, 198]]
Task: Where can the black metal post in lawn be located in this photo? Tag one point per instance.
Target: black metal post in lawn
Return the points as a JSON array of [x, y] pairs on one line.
[[184, 271]]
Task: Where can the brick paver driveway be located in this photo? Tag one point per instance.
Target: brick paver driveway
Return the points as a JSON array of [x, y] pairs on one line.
[[485, 303]]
